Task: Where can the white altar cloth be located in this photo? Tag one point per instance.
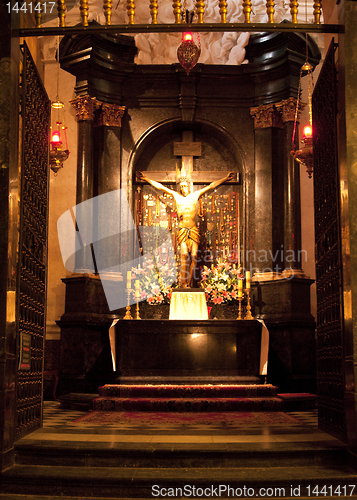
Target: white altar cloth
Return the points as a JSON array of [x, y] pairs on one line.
[[188, 305]]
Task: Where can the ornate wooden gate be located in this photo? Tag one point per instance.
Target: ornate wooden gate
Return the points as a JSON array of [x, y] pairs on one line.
[[330, 369], [35, 116]]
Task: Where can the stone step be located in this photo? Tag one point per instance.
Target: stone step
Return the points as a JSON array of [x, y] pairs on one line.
[[184, 391], [187, 404], [181, 455], [133, 482]]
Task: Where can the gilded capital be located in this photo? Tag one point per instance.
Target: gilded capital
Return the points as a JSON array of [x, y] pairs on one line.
[[110, 115], [85, 107], [265, 116], [287, 108]]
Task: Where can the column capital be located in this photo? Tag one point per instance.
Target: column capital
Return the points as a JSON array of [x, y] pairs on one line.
[[85, 107], [287, 108], [110, 115], [266, 116]]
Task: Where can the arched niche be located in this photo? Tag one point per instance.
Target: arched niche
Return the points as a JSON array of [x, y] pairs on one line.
[[220, 216]]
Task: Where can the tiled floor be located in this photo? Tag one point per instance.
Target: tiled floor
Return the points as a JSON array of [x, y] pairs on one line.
[[59, 425]]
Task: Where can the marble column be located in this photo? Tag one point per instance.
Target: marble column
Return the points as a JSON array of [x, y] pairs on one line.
[[85, 107], [266, 260], [108, 144], [108, 177], [292, 204]]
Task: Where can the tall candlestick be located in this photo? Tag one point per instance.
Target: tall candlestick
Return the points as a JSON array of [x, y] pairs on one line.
[[128, 280], [247, 278]]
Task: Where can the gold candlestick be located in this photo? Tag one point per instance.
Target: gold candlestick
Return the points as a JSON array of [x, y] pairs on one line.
[[137, 315], [240, 307], [248, 313], [128, 313]]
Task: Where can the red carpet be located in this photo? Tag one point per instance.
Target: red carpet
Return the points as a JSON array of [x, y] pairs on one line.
[[187, 391], [147, 418], [188, 398], [183, 405]]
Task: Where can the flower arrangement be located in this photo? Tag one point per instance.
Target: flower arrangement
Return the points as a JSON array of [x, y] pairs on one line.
[[155, 283], [221, 283]]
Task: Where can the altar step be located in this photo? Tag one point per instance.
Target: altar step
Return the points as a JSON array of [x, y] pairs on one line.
[[184, 391], [128, 470], [178, 398]]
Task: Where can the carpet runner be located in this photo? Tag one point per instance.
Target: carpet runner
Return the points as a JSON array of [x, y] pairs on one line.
[[195, 398]]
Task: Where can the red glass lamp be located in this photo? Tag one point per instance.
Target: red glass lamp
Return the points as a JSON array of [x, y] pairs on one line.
[[188, 52], [57, 154]]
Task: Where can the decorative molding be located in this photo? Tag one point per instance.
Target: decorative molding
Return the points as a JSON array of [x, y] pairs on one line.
[[187, 97], [287, 108], [110, 115], [268, 276], [266, 116], [85, 107]]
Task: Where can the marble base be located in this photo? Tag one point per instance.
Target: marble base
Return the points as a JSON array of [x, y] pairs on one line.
[[284, 306]]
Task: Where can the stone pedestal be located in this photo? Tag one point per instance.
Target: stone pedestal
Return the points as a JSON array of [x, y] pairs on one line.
[[284, 306], [85, 358]]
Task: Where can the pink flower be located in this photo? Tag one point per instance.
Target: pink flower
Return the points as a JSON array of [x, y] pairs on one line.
[[208, 288], [234, 294], [219, 300], [215, 300], [225, 294], [151, 300]]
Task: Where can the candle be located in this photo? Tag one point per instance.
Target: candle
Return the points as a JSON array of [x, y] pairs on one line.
[[128, 280], [240, 288], [247, 278], [137, 289]]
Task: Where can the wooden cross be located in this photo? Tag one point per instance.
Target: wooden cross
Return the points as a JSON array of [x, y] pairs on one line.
[[188, 149]]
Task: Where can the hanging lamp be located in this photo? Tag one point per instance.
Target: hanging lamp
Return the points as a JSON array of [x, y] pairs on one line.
[[188, 52], [305, 155], [58, 130]]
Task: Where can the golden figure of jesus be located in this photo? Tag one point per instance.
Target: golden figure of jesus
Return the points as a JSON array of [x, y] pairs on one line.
[[188, 235]]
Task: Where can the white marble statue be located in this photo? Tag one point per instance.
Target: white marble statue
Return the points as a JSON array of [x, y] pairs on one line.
[[154, 48]]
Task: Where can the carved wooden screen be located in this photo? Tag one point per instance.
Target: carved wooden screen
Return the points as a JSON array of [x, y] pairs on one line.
[[35, 116], [330, 376]]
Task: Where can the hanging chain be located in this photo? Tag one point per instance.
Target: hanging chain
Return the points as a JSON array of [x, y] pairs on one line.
[[296, 111]]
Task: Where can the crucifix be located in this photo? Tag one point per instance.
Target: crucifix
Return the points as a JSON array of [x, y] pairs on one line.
[[188, 150], [186, 200]]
